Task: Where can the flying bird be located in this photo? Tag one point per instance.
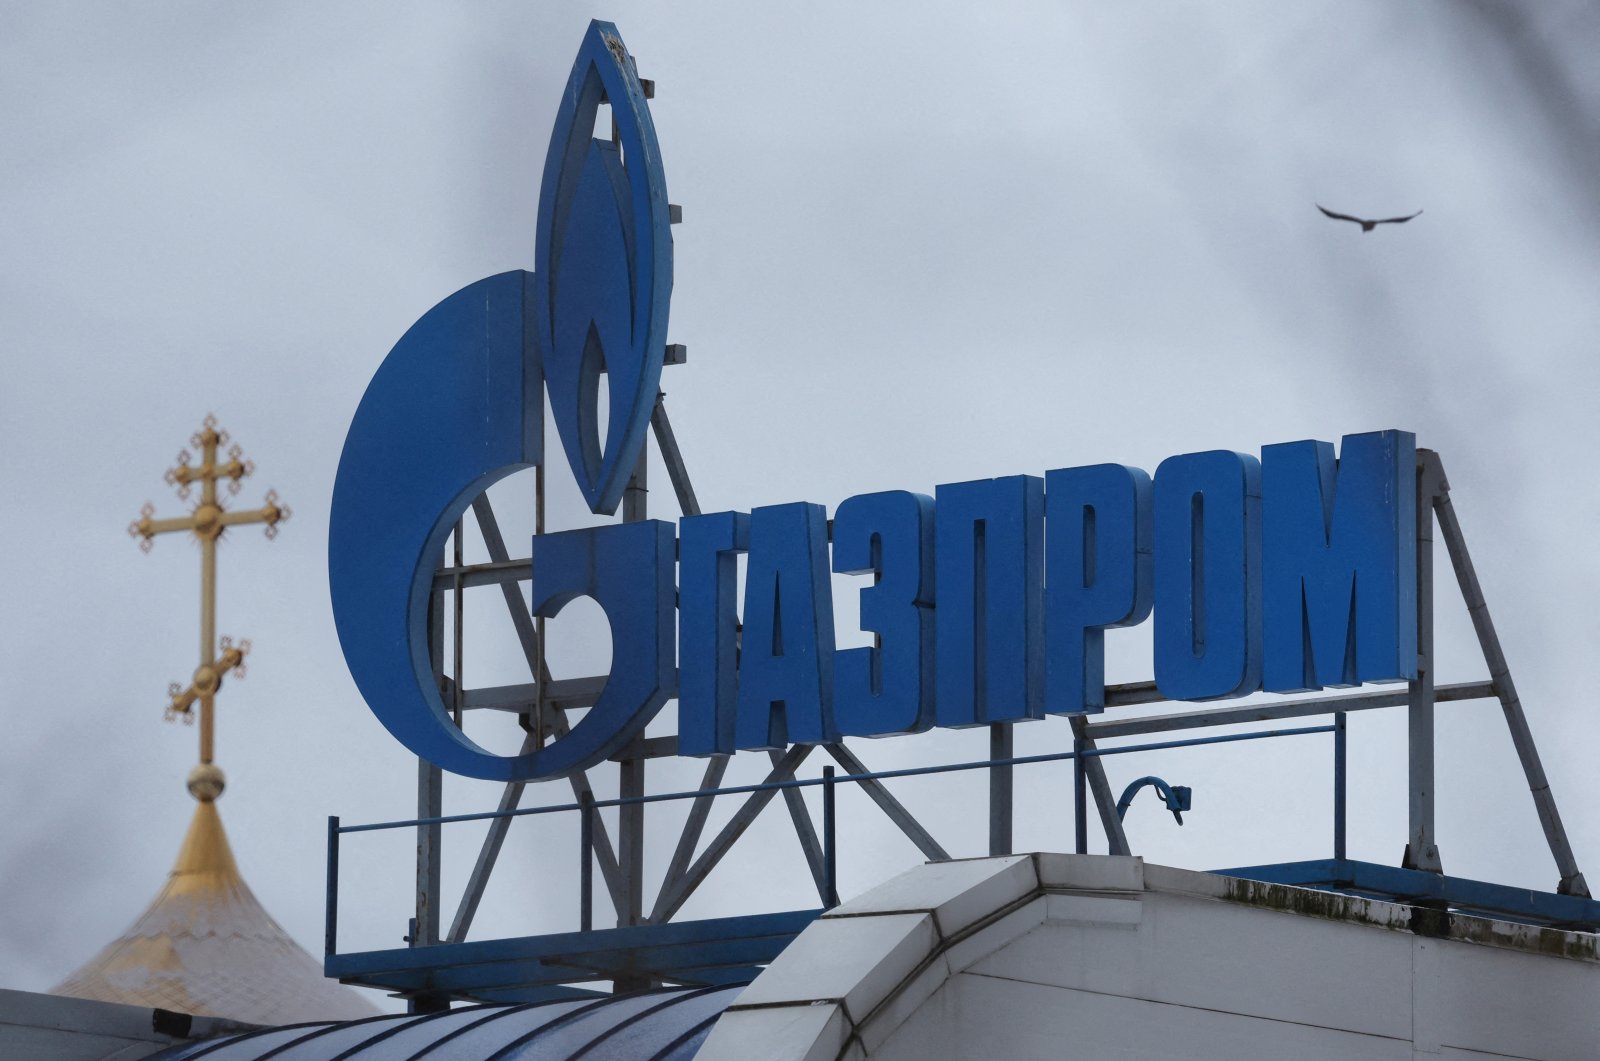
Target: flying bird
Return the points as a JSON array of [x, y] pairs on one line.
[[1367, 226]]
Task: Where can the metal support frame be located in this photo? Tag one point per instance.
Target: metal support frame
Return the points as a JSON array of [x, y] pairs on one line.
[[675, 893], [488, 854], [1094, 773], [555, 722], [830, 877], [693, 828], [1339, 775], [1001, 789], [1422, 852], [543, 704], [630, 771], [806, 833], [1544, 801], [430, 803], [893, 808], [620, 867], [1080, 799]]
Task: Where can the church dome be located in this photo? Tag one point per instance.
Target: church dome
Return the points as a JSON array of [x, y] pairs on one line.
[[207, 947]]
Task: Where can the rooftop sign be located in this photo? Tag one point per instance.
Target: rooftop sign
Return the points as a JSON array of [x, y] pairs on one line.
[[988, 601]]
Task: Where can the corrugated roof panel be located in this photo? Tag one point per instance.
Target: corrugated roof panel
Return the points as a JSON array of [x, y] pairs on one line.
[[653, 1031], [668, 1025]]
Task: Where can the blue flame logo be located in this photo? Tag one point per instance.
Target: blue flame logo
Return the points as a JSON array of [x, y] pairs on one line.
[[603, 268], [458, 404]]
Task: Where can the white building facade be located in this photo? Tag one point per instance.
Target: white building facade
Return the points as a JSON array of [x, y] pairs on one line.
[[1056, 956]]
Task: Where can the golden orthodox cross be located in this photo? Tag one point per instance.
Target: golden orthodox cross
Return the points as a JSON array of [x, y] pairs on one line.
[[208, 521]]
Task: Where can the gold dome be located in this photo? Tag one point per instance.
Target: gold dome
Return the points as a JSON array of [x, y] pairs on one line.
[[206, 946]]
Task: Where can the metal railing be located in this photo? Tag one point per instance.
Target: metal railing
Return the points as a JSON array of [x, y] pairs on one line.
[[587, 807]]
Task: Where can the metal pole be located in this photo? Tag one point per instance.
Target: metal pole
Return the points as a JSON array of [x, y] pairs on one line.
[[540, 670], [830, 841], [330, 928], [1421, 850], [458, 604], [1338, 784], [1095, 771], [630, 772], [586, 867], [1544, 801], [430, 804], [430, 792], [488, 854], [630, 835], [208, 600], [1000, 790], [1080, 804]]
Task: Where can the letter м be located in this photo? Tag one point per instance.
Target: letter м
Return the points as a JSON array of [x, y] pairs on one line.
[[1339, 562]]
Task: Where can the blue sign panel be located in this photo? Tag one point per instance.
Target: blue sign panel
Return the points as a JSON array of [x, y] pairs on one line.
[[1208, 575], [887, 687], [985, 603], [1098, 553], [453, 407], [989, 628], [459, 403], [1339, 581], [603, 268]]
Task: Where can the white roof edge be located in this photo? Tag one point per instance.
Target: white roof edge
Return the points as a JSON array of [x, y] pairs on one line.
[[894, 944]]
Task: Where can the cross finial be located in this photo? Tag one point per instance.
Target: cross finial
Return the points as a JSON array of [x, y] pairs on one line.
[[208, 521]]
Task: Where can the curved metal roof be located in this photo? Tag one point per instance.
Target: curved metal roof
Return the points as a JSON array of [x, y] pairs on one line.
[[206, 946], [667, 1025]]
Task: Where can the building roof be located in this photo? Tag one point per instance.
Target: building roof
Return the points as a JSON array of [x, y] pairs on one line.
[[1056, 955], [664, 1025], [206, 946]]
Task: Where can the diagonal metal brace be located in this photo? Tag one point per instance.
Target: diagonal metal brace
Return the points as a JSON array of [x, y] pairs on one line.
[[1104, 801], [488, 854], [672, 457], [693, 828], [1572, 882], [806, 833], [672, 900], [890, 806], [557, 725]]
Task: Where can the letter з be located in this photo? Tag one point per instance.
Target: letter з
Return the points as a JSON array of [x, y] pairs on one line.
[[887, 688]]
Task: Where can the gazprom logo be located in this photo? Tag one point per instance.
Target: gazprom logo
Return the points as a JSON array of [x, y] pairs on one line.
[[602, 276], [987, 602], [458, 404]]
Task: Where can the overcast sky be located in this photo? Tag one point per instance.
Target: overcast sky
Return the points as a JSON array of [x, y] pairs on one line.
[[923, 243]]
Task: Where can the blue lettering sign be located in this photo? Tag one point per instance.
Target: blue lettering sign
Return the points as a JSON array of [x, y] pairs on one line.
[[887, 688], [627, 568], [708, 630], [1208, 575], [1097, 576], [988, 553], [988, 605], [1339, 562], [786, 656]]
